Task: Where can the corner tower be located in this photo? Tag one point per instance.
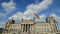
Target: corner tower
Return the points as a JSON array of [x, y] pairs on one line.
[[8, 23], [53, 24]]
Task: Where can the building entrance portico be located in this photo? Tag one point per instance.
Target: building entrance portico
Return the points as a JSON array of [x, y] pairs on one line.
[[27, 26]]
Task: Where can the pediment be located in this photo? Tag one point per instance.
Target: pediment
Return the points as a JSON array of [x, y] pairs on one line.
[[27, 22]]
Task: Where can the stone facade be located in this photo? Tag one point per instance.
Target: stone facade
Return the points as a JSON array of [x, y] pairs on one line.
[[31, 27]]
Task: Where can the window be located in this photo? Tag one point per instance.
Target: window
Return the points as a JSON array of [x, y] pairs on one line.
[[48, 29], [42, 29], [37, 28], [52, 25]]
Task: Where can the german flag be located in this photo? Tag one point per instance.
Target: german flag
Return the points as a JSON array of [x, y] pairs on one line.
[[35, 15]]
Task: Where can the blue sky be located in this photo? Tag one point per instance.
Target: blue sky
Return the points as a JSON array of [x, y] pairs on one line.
[[26, 8]]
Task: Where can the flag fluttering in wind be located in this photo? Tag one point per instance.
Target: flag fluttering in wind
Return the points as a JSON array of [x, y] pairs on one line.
[[36, 16]]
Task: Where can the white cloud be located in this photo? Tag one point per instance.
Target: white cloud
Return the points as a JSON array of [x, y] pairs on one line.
[[42, 16], [8, 6], [18, 15], [2, 15], [30, 9], [57, 18], [52, 15], [37, 7]]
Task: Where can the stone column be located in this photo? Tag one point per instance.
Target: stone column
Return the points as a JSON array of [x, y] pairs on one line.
[[25, 28], [30, 27], [21, 28]]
